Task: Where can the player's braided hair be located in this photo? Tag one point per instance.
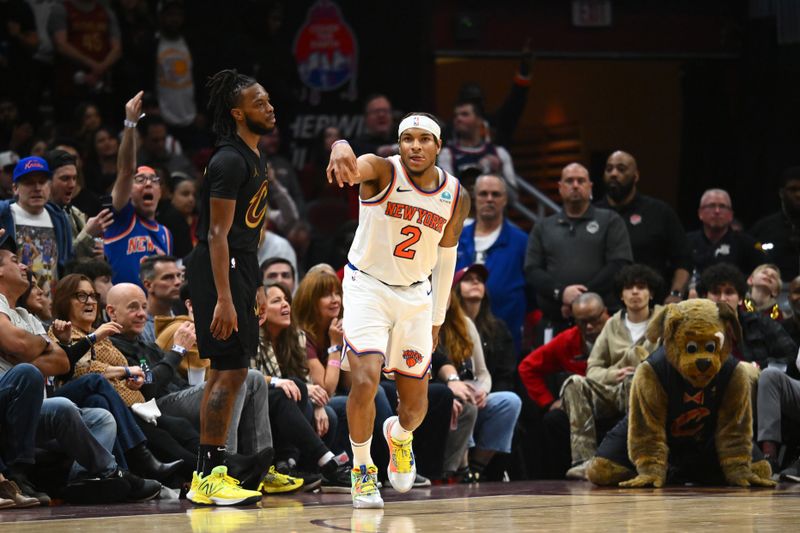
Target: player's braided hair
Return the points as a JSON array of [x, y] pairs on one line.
[[224, 89]]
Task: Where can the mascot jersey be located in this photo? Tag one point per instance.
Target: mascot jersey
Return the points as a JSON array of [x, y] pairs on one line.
[[692, 413]]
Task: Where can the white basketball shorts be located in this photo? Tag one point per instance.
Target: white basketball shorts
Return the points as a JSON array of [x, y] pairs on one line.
[[394, 322]]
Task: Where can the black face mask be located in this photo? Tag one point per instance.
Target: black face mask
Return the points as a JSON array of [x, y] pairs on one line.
[[618, 191], [258, 129]]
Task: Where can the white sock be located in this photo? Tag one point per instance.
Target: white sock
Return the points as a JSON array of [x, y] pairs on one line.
[[361, 455], [398, 432], [325, 458]]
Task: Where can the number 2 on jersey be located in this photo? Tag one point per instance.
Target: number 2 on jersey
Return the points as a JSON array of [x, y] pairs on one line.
[[403, 250]]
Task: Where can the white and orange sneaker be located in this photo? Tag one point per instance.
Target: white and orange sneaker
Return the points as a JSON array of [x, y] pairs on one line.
[[402, 469]]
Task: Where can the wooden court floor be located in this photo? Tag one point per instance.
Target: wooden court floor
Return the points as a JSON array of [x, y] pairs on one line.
[[489, 507]]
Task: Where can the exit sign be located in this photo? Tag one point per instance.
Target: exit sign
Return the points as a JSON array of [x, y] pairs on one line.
[[591, 13]]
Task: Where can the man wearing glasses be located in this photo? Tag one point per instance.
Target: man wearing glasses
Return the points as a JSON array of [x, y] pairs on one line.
[[544, 371], [717, 242], [135, 234]]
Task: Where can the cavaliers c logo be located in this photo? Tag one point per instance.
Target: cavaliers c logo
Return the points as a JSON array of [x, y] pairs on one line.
[[257, 207]]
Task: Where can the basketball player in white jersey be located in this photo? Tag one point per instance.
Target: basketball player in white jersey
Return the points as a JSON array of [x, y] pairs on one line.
[[410, 218]]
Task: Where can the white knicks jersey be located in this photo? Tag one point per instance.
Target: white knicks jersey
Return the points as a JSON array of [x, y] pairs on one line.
[[399, 228]]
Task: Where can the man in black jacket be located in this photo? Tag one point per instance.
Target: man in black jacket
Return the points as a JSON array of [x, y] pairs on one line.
[[779, 232]]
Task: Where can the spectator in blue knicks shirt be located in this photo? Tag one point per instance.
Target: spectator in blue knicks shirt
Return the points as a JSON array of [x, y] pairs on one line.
[[135, 234], [500, 245]]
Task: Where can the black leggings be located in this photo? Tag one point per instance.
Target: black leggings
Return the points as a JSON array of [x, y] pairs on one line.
[[292, 434]]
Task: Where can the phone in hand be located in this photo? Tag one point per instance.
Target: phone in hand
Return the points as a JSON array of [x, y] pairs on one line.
[[106, 202]]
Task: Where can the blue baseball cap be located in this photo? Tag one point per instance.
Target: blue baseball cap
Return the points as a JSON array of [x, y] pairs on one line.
[[29, 165]]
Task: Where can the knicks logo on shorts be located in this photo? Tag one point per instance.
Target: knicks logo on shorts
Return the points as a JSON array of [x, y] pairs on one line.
[[412, 357], [257, 207]]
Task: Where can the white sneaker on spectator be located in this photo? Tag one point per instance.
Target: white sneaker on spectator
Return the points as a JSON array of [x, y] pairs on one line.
[[421, 481], [578, 471]]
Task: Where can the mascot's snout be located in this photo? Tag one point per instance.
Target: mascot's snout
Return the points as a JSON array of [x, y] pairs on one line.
[[703, 364]]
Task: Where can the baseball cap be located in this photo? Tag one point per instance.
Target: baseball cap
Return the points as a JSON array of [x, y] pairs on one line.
[[29, 165], [475, 267], [8, 158]]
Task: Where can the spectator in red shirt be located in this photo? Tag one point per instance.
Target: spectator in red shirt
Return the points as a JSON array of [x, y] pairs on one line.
[[546, 444], [567, 352]]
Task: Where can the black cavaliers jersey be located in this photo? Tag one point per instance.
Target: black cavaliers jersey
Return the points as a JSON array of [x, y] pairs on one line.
[[235, 172], [692, 413]]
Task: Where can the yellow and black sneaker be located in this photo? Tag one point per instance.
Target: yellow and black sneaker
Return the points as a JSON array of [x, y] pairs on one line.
[[218, 488], [276, 483]]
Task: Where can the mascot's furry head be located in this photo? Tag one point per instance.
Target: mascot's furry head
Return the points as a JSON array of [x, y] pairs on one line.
[[697, 337]]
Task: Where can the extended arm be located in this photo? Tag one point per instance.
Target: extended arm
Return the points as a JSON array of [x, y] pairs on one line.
[[126, 157], [369, 169]]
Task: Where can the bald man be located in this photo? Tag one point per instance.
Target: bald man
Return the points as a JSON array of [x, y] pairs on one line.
[[716, 242], [575, 251], [657, 236], [249, 431]]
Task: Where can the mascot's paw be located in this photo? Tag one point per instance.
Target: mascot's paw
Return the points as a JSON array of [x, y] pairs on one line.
[[757, 475], [644, 480], [762, 469], [603, 472]]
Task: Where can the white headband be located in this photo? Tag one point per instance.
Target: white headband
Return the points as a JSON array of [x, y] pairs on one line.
[[422, 122]]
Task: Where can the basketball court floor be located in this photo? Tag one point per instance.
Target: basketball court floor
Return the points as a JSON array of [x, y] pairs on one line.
[[489, 507]]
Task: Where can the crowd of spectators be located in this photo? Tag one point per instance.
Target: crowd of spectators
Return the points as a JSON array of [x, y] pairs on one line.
[[542, 334]]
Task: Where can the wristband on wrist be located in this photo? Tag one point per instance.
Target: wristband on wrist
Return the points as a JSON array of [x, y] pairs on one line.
[[275, 381], [129, 123], [676, 293], [92, 338], [453, 377], [335, 348], [177, 348], [339, 141], [336, 363], [127, 372]]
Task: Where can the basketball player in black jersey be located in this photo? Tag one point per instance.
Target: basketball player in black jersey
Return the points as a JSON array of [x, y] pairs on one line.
[[228, 300]]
